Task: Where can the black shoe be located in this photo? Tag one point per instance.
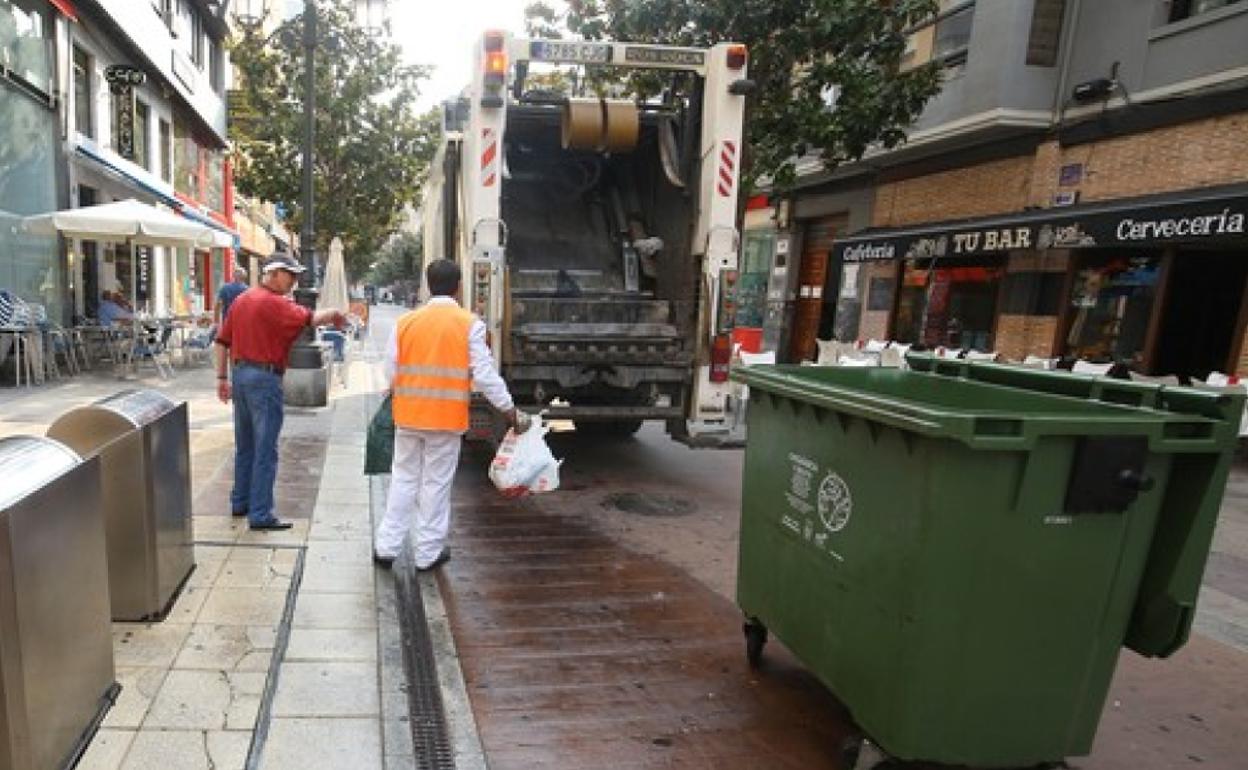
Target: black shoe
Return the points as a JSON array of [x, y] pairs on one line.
[[443, 558], [275, 524], [385, 562], [239, 513]]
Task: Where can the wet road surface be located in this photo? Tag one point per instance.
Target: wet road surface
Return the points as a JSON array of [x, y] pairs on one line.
[[579, 652]]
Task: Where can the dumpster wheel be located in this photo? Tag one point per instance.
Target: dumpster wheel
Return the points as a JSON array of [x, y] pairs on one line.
[[755, 640]]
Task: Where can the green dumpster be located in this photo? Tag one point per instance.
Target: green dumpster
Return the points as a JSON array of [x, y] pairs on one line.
[[959, 551]]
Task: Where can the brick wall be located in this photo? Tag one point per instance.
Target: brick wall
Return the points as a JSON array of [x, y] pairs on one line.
[[1203, 153], [1019, 336], [996, 187]]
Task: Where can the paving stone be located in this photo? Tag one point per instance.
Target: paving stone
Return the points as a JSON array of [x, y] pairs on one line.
[[341, 644], [221, 647], [339, 551], [228, 749], [168, 749], [253, 574], [191, 700], [107, 750], [190, 601], [327, 577], [138, 687], [327, 689], [345, 530], [323, 610], [147, 645], [323, 744], [244, 607]]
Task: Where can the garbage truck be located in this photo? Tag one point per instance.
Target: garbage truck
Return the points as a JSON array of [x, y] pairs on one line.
[[598, 236]]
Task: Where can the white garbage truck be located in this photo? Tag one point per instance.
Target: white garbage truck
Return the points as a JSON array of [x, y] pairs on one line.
[[598, 237]]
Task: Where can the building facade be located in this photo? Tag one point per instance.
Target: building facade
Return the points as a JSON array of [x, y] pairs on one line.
[[104, 100], [1078, 189], [161, 140]]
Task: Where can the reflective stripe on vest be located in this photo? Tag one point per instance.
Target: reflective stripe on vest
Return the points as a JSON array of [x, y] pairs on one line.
[[433, 377]]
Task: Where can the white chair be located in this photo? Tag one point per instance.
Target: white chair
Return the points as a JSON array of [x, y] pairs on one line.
[[857, 361], [1220, 381], [874, 346], [1165, 379], [893, 358], [829, 352], [982, 355], [1087, 367], [1039, 362]]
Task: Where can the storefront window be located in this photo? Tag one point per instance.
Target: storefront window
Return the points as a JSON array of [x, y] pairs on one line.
[[1111, 302], [951, 304], [215, 183], [756, 251], [29, 266]]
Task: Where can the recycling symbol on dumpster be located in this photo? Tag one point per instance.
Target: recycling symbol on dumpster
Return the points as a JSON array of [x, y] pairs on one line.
[[835, 502]]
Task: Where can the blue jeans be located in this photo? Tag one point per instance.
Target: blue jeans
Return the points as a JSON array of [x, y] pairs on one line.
[[257, 396]]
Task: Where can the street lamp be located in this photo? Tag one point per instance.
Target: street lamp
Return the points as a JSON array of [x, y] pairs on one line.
[[366, 13]]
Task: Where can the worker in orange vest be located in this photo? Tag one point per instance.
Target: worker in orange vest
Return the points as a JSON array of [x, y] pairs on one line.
[[435, 357]]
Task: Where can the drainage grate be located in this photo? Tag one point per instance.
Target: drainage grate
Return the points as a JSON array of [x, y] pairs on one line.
[[432, 746]]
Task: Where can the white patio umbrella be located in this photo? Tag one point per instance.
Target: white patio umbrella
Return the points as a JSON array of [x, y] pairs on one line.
[[333, 293], [132, 222]]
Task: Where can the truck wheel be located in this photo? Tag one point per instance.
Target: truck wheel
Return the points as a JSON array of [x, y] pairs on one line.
[[755, 640]]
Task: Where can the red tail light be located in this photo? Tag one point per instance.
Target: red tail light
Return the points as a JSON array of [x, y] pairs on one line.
[[736, 56], [721, 355]]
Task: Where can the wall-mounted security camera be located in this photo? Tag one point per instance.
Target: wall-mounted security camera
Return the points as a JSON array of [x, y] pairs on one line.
[[1093, 90]]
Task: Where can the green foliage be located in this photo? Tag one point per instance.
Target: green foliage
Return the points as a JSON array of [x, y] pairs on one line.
[[400, 260], [371, 149], [801, 52]]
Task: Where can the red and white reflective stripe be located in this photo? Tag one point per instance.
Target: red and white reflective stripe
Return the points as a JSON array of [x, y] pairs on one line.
[[489, 157], [727, 168]]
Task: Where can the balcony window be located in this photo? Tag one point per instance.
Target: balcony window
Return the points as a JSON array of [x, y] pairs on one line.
[[166, 151], [82, 93], [25, 50], [945, 38], [142, 129], [1185, 9]]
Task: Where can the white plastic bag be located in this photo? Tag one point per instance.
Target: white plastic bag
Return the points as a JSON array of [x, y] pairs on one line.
[[524, 464]]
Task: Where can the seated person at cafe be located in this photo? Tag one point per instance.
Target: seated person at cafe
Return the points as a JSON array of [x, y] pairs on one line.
[[112, 309]]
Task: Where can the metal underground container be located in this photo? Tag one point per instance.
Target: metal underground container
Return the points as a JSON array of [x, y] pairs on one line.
[[56, 644], [142, 440]]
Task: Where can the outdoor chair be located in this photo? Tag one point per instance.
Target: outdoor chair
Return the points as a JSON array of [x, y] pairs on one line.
[[153, 345], [198, 345]]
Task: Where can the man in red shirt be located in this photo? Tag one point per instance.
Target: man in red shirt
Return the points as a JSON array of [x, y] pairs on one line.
[[256, 337]]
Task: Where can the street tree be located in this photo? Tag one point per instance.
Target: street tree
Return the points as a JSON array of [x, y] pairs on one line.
[[399, 261], [828, 72], [372, 149]]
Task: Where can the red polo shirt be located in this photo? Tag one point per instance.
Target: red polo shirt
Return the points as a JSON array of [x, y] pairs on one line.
[[262, 325]]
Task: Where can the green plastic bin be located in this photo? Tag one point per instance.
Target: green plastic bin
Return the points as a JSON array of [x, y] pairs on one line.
[[959, 551]]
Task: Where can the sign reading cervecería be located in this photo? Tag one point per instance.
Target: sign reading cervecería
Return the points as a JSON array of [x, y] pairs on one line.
[[1197, 221]]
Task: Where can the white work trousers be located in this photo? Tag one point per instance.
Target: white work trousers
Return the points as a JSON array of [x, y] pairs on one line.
[[420, 489]]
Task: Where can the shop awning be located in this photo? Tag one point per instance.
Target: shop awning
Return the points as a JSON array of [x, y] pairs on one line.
[[224, 237], [1215, 215]]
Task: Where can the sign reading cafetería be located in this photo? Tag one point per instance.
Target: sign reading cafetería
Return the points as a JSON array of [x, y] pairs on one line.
[[1198, 221], [122, 79]]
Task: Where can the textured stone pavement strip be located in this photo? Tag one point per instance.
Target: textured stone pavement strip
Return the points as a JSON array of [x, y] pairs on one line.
[[193, 685]]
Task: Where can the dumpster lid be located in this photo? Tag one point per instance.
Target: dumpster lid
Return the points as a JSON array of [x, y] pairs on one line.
[[27, 463], [995, 406], [139, 406]]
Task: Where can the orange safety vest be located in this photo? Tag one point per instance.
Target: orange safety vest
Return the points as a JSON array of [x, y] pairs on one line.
[[433, 380]]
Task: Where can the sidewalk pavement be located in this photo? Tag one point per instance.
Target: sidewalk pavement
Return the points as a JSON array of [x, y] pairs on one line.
[[282, 650]]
